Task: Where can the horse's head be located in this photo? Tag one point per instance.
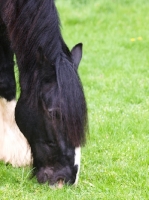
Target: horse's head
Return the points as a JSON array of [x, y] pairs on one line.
[[54, 117]]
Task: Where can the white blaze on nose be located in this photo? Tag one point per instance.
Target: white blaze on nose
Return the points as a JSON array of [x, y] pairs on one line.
[[77, 161]]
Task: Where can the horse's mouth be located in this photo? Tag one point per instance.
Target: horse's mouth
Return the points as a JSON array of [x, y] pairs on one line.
[[60, 183]]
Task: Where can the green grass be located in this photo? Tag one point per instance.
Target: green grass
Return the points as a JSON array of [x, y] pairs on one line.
[[115, 75]]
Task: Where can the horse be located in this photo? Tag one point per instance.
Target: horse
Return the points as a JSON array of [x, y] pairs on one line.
[[51, 111]]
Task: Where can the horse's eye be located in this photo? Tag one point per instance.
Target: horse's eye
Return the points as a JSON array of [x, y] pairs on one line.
[[54, 113], [50, 114]]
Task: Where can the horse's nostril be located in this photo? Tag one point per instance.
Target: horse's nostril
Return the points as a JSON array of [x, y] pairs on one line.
[[60, 183]]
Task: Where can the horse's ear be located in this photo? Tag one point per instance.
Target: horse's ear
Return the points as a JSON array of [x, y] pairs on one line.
[[76, 54]]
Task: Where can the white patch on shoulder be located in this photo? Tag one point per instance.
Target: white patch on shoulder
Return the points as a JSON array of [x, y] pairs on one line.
[[77, 161]]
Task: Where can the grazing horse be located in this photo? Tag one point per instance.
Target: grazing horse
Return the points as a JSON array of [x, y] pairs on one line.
[[51, 111]]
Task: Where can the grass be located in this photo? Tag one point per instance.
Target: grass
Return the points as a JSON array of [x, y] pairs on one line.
[[115, 75]]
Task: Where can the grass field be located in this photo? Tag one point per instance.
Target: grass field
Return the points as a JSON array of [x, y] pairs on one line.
[[115, 75]]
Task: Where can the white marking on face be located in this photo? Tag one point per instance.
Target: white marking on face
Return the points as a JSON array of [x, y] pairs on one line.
[[77, 161]]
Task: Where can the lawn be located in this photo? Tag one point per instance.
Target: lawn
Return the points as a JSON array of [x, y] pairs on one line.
[[115, 74]]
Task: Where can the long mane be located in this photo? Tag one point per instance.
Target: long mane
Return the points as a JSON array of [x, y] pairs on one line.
[[73, 105], [33, 24]]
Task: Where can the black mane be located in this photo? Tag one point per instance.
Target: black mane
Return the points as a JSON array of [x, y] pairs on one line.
[[73, 104]]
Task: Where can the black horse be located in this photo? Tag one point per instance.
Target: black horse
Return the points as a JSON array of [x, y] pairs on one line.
[[51, 111]]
